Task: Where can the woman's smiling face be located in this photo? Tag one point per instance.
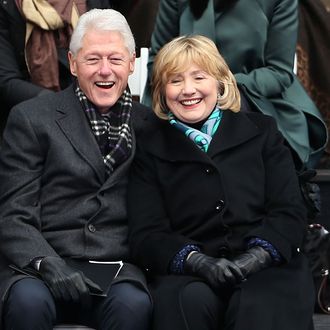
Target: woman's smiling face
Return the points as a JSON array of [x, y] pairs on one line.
[[191, 95]]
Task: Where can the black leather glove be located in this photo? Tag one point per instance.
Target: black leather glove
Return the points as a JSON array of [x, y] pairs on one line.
[[66, 283], [253, 260], [217, 272]]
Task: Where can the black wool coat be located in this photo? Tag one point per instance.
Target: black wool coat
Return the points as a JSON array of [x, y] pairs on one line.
[[244, 186]]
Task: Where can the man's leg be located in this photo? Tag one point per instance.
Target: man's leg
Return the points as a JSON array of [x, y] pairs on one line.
[[29, 306], [127, 307]]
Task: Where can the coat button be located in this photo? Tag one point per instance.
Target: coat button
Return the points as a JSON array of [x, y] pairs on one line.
[[223, 251], [208, 170], [220, 205], [92, 228]]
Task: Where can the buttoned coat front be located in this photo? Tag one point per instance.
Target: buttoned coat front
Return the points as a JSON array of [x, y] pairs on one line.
[[55, 198], [244, 186]]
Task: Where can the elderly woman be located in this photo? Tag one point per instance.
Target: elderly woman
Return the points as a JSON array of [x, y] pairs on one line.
[[216, 215], [259, 49]]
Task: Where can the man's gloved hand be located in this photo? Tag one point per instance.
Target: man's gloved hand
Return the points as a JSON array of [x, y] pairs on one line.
[[253, 260], [217, 272], [66, 283]]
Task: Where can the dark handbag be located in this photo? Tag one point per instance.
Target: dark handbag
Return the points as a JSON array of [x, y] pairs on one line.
[[316, 247]]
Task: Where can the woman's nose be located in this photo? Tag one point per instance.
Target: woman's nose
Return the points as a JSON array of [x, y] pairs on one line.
[[188, 88]]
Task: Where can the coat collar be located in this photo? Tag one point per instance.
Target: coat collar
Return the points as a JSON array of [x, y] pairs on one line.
[[74, 124], [167, 142]]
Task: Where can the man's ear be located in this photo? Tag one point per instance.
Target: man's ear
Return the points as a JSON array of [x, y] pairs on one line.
[[73, 64], [132, 63]]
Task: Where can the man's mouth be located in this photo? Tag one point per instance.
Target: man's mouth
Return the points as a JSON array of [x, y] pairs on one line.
[[105, 84]]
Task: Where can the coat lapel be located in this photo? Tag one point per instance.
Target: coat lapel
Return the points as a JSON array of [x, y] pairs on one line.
[[167, 142], [234, 129], [74, 124]]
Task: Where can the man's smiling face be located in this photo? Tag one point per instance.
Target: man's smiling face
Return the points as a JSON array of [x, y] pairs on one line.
[[102, 67]]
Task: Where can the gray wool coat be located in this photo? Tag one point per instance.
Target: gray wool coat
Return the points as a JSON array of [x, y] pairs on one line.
[[54, 195]]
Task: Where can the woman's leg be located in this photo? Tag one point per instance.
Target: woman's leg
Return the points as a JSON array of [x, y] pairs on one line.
[[274, 299], [201, 308]]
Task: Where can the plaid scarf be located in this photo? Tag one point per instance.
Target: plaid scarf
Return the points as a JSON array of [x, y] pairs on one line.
[[202, 137], [112, 131]]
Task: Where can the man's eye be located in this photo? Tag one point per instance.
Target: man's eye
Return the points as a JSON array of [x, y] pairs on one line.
[[92, 60], [116, 60]]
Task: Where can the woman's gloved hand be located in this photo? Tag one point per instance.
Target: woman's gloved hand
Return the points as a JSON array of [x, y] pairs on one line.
[[218, 272], [66, 283], [253, 260]]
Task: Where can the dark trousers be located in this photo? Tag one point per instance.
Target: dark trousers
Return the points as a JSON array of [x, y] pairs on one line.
[[30, 306]]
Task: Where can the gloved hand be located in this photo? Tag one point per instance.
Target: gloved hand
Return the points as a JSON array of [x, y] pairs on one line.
[[253, 260], [217, 272], [66, 283]]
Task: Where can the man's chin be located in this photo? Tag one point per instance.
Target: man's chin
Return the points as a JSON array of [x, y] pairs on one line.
[[105, 104]]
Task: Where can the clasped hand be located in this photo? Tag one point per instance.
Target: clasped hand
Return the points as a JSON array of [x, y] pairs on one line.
[[221, 272], [65, 283]]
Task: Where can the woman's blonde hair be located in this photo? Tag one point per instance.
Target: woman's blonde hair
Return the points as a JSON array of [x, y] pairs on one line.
[[176, 56]]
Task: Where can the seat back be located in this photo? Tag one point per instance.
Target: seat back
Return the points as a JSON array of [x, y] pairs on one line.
[[137, 80]]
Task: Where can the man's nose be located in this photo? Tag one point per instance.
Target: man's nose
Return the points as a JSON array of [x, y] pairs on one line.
[[105, 67]]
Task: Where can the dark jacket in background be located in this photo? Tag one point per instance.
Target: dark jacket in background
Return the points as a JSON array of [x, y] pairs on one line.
[[313, 54]]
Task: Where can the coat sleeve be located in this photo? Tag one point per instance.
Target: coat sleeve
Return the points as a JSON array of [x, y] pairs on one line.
[[277, 73], [21, 167]]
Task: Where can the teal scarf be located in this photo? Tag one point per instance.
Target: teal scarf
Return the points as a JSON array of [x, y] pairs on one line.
[[203, 137]]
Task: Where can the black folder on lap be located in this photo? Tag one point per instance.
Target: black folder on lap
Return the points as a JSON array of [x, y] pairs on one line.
[[100, 272]]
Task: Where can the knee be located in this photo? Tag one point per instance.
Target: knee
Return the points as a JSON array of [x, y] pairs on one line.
[[129, 296], [126, 299], [199, 296], [198, 302], [29, 298]]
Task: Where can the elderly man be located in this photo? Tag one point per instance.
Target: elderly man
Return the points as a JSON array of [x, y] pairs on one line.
[[63, 172]]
